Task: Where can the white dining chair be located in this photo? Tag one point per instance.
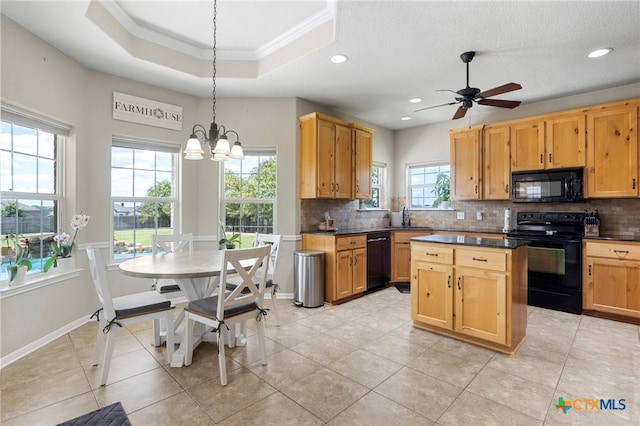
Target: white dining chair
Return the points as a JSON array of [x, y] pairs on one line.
[[120, 311], [172, 243], [273, 241], [229, 308]]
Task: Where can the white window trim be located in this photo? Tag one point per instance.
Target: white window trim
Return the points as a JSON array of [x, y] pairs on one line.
[[408, 184], [159, 146]]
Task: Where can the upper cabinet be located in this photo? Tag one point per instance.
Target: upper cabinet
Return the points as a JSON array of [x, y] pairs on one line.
[[527, 145], [466, 146], [565, 141], [335, 158], [612, 146], [557, 141], [362, 160], [496, 150]]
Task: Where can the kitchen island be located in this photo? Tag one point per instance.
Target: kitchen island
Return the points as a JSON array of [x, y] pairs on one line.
[[473, 289]]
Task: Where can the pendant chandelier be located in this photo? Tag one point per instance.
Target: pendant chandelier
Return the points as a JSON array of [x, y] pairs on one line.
[[217, 141]]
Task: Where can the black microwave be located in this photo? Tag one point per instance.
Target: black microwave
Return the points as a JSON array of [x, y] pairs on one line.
[[547, 186]]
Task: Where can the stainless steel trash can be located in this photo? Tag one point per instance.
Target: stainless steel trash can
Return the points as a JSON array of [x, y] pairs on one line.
[[308, 275]]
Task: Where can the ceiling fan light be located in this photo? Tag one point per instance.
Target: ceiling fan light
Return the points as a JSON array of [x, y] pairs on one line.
[[599, 53]]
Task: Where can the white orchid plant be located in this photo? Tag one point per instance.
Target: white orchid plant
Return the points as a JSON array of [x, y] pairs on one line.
[[62, 244]]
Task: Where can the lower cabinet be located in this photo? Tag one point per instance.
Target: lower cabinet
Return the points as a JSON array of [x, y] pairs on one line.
[[401, 255], [611, 284], [474, 294], [345, 264]]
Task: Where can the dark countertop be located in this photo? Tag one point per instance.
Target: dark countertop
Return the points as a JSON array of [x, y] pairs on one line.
[[347, 231], [626, 238], [471, 241]]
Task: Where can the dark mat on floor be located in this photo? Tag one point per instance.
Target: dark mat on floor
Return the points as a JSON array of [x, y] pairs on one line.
[[404, 288], [111, 415]]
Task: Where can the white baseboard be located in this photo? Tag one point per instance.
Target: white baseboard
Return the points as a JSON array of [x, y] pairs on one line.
[[34, 346], [45, 340]]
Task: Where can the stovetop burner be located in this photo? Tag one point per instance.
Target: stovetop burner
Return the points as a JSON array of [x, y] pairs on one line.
[[551, 224]]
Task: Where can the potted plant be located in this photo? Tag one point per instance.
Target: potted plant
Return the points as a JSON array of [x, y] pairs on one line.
[[228, 243], [19, 262], [442, 191], [62, 244]]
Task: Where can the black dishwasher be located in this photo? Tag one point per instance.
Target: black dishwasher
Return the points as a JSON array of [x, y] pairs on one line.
[[378, 260]]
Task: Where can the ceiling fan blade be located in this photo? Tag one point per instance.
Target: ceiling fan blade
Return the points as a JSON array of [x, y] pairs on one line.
[[499, 103], [436, 106], [459, 113], [509, 87]]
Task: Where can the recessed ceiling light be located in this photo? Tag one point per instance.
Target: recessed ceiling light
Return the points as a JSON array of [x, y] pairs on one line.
[[405, 118], [415, 100], [339, 59], [599, 52]]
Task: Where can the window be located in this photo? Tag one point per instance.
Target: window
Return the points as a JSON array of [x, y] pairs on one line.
[[249, 196], [378, 186], [144, 195], [30, 187], [424, 192]]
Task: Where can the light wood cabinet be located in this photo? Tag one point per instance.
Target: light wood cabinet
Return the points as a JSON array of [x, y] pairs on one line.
[[401, 255], [362, 160], [466, 180], [612, 152], [496, 157], [325, 157], [474, 294], [335, 158], [565, 142], [527, 145], [611, 284], [345, 264]]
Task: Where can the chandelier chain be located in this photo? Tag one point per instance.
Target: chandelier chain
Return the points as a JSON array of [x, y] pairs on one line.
[[213, 92]]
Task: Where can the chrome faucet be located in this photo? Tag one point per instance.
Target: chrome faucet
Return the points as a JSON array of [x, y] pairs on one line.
[[406, 217]]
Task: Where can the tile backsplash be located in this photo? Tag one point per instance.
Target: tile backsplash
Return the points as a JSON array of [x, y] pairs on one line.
[[618, 217]]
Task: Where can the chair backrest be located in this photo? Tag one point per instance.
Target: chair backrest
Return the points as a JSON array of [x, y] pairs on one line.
[[272, 240], [99, 277], [171, 243], [252, 266]]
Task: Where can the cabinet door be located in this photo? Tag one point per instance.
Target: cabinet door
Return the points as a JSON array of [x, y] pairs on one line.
[[344, 284], [325, 166], [465, 164], [432, 294], [359, 276], [401, 267], [481, 304], [613, 286], [565, 142], [497, 163], [343, 150], [612, 161], [527, 146], [363, 142]]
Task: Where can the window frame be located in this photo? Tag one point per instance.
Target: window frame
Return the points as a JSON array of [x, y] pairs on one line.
[[155, 146], [60, 132], [224, 200], [410, 186], [381, 186]]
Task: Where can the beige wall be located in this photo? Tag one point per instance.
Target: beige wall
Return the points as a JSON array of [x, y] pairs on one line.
[[39, 78]]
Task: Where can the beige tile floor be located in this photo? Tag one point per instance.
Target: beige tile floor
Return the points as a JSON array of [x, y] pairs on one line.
[[360, 363]]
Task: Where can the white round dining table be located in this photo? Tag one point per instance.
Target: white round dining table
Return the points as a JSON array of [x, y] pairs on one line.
[[197, 273]]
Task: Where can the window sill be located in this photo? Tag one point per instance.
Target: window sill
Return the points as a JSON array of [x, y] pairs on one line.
[[431, 209], [38, 281], [373, 210]]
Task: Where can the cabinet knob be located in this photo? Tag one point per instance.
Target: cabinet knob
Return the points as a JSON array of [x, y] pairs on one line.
[[428, 294], [459, 288], [449, 282]]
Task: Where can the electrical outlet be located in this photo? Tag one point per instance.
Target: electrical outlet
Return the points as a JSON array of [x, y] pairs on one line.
[[478, 215], [460, 215]]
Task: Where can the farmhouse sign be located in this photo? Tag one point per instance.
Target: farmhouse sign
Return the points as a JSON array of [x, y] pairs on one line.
[[145, 111]]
